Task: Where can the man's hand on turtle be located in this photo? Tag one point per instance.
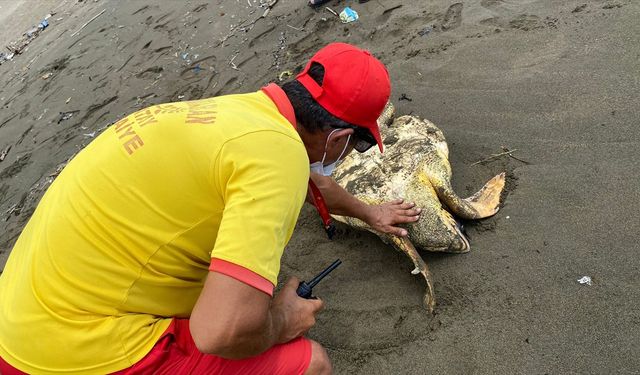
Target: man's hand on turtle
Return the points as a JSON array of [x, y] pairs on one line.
[[384, 217]]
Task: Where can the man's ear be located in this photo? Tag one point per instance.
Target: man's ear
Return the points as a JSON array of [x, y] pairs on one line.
[[340, 136]]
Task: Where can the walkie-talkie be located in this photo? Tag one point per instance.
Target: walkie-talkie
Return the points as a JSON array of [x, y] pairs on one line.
[[305, 289]]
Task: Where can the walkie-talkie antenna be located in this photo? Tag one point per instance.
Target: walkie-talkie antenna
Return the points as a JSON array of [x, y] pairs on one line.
[[304, 289], [324, 273]]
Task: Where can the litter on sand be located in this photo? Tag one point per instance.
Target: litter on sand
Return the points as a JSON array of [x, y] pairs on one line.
[[66, 115], [348, 15], [18, 46], [585, 280], [425, 31], [4, 153], [5, 57], [284, 75]]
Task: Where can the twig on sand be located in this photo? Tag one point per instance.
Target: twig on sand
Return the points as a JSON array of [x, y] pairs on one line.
[[506, 152], [10, 211], [391, 9], [332, 11], [88, 22], [269, 6], [510, 155], [232, 64]]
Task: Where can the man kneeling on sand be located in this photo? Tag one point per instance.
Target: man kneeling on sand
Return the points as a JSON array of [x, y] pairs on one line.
[[157, 249]]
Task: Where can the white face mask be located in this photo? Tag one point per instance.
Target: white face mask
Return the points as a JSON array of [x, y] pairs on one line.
[[326, 170]]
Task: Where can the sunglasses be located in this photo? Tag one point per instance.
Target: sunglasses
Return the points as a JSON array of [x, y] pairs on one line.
[[362, 138]]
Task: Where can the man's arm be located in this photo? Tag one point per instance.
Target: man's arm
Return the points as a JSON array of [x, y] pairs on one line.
[[234, 320], [383, 217], [261, 177]]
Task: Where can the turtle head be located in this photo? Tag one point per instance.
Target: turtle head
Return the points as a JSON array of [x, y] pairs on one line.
[[387, 115]]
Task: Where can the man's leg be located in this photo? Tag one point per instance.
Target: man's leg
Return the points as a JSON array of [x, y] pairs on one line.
[[176, 353], [320, 363]]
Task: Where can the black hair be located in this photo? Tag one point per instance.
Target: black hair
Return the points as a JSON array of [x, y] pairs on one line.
[[311, 115]]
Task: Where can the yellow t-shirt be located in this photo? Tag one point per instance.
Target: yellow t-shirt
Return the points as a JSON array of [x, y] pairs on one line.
[[123, 239]]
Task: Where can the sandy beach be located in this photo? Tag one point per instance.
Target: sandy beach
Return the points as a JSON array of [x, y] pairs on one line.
[[556, 82]]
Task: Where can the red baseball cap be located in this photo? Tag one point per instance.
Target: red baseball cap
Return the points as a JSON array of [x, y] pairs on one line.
[[355, 88]]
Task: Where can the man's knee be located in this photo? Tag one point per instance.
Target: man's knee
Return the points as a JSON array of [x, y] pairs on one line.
[[320, 363]]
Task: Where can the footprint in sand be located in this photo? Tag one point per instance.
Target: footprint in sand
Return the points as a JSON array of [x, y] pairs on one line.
[[491, 4], [452, 18], [16, 167], [526, 22], [396, 326], [200, 8]]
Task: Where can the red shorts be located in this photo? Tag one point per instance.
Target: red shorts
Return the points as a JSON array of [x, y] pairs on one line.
[[176, 353]]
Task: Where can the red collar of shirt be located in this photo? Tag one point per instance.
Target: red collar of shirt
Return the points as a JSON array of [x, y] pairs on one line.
[[277, 95]]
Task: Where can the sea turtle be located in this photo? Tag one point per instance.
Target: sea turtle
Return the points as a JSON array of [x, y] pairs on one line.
[[415, 166]]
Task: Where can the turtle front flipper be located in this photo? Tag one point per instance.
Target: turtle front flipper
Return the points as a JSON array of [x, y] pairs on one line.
[[404, 244], [482, 204]]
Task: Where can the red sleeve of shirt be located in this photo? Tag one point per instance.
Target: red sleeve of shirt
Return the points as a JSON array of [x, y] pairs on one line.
[[242, 274]]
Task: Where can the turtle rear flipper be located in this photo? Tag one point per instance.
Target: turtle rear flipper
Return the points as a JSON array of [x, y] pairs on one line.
[[482, 204], [404, 244]]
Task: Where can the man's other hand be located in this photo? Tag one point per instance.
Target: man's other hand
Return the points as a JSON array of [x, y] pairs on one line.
[[299, 314], [234, 320]]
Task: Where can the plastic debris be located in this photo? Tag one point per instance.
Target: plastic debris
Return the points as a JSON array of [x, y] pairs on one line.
[[585, 280], [47, 75], [184, 55], [66, 115], [5, 57], [197, 69], [348, 15], [18, 46], [284, 75], [180, 97], [4, 153], [32, 32], [425, 31], [67, 101]]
